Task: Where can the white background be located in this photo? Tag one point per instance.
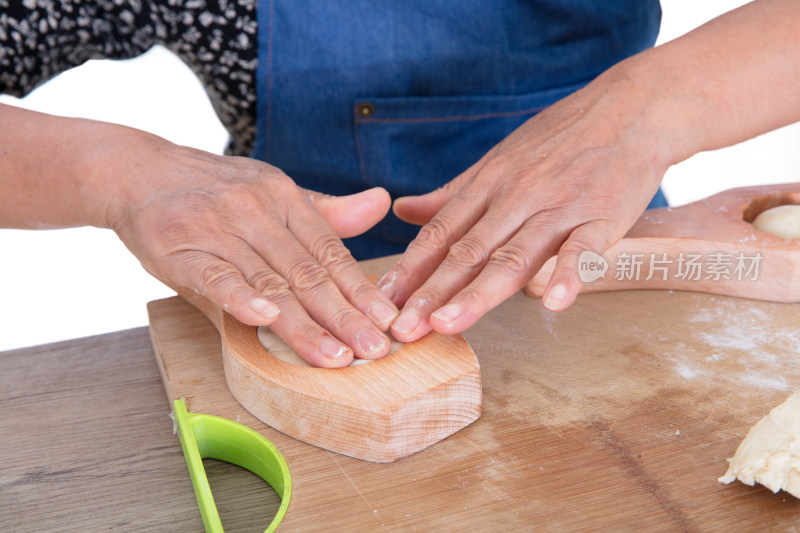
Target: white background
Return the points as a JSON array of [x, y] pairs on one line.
[[71, 283]]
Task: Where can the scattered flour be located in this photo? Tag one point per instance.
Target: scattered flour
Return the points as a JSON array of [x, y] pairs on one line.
[[730, 337], [766, 382], [686, 371], [756, 351]]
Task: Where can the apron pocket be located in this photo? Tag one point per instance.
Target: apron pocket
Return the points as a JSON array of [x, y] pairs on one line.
[[412, 146]]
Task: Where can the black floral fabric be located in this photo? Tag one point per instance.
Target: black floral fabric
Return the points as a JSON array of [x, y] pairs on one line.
[[217, 38]]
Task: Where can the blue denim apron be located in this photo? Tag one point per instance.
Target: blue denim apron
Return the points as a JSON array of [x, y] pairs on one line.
[[406, 94]]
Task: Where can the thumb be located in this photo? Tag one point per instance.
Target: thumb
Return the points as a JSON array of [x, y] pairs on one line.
[[421, 209], [353, 214]]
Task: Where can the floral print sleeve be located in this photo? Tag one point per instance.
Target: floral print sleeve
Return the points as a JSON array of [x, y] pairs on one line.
[[216, 38]]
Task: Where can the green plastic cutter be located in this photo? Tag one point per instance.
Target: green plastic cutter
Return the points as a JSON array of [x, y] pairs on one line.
[[212, 437]]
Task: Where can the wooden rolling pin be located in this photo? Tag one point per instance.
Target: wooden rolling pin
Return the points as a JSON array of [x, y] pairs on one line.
[[707, 246]]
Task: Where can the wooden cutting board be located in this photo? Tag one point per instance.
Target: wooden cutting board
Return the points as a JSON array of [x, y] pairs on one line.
[[618, 413]]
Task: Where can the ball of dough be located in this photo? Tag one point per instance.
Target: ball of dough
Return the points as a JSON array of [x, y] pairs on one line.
[[770, 454], [275, 346], [782, 221]]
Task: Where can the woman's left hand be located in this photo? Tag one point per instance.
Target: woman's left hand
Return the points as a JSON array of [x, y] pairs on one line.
[[573, 178]]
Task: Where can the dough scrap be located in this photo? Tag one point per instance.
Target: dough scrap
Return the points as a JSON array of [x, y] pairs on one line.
[[782, 221], [275, 346], [770, 453]]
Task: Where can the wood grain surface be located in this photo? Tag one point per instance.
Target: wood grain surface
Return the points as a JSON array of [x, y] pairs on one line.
[[617, 414], [87, 445], [381, 412]]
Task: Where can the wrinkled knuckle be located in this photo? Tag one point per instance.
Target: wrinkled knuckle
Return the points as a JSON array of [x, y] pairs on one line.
[[307, 275], [364, 291], [426, 297], [576, 245], [268, 283], [512, 258], [571, 248], [469, 253], [435, 235], [330, 251], [342, 319], [305, 331], [216, 275]]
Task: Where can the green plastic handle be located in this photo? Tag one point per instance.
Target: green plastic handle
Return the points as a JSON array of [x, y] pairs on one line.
[[213, 437]]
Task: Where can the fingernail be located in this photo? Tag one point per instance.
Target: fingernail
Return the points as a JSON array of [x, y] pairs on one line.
[[265, 308], [408, 321], [386, 284], [332, 349], [449, 312], [381, 312], [555, 297], [370, 342]]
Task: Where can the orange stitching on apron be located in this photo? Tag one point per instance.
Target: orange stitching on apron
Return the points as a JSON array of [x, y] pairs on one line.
[[448, 119]]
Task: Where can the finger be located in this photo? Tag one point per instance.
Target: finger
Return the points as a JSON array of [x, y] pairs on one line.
[[431, 244], [430, 247], [222, 283], [565, 283], [421, 209], [311, 284], [294, 325], [510, 266], [464, 261], [306, 337], [352, 215], [335, 258]]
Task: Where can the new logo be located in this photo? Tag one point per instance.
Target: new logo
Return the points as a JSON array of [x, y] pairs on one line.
[[591, 266]]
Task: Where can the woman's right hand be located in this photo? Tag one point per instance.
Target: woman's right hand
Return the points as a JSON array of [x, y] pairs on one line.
[[243, 234], [237, 231]]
